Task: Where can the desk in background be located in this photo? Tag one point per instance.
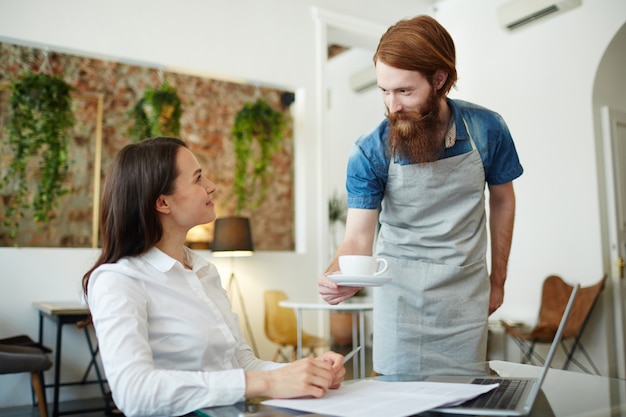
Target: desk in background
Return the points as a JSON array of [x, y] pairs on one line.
[[358, 337], [62, 313]]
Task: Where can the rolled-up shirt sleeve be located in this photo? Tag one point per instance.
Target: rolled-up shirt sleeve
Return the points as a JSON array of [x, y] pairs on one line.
[[367, 170]]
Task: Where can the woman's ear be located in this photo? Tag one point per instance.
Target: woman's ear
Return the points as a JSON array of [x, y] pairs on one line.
[[439, 79], [162, 206]]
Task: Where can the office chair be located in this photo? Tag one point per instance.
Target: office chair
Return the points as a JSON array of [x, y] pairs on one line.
[[555, 294], [281, 327], [20, 354]]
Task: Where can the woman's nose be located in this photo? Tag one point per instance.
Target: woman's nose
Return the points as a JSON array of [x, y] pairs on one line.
[[210, 187]]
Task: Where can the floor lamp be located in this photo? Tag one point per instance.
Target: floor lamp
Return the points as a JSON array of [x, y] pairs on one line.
[[232, 238]]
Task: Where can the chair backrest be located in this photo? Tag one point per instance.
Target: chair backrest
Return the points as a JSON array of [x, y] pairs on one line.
[[555, 294], [281, 326], [587, 298]]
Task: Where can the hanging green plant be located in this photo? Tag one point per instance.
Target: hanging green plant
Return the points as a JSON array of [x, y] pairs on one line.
[[257, 131], [39, 128], [156, 114]]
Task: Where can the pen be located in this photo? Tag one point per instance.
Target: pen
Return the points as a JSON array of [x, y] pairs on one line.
[[350, 355]]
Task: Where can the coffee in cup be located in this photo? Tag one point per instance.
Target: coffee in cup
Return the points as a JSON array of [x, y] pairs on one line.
[[362, 265]]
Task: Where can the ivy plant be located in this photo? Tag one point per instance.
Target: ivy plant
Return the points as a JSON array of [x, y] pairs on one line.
[[258, 131], [157, 113], [39, 129]]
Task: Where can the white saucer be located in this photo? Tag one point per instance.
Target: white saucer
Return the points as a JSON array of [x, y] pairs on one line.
[[359, 280]]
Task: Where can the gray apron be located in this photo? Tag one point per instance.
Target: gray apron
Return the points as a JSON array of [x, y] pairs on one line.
[[433, 314]]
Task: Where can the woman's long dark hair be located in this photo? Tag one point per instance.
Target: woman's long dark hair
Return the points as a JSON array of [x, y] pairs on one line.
[[129, 223]]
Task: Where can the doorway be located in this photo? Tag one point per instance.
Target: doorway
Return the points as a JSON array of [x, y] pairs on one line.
[[609, 103], [614, 143]]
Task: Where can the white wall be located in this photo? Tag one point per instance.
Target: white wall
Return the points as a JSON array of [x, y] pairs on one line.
[[540, 80], [350, 114]]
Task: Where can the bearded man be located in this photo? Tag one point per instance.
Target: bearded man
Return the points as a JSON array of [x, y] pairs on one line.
[[416, 184]]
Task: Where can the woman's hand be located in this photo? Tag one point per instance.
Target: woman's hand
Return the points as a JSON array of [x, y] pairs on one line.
[[336, 360], [302, 378]]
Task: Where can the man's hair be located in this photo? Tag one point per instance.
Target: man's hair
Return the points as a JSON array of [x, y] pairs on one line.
[[419, 44]]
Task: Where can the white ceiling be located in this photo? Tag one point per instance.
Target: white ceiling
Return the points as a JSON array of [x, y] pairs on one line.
[[385, 12], [360, 23]]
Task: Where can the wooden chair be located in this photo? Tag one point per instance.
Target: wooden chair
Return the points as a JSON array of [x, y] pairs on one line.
[[21, 354], [555, 294], [281, 327]]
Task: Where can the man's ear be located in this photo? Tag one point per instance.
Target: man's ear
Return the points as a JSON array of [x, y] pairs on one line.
[[439, 79], [162, 206]]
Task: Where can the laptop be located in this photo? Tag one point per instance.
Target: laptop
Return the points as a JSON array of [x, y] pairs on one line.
[[514, 396]]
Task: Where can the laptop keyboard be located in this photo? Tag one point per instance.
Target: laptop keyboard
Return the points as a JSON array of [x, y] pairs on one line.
[[504, 397]]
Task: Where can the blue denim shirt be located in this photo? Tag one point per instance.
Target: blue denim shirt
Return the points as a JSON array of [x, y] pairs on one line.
[[369, 159]]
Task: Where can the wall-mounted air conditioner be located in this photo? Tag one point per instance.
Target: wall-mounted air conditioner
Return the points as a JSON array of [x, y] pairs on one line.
[[518, 13], [363, 80]]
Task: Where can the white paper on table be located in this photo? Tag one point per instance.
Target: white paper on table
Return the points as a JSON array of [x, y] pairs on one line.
[[372, 398]]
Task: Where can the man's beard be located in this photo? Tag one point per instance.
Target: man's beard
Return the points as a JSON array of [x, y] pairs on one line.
[[417, 136]]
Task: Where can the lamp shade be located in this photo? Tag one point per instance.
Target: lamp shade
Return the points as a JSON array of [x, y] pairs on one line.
[[232, 237]]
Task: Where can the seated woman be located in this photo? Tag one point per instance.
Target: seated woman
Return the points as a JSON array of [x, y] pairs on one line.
[[168, 339]]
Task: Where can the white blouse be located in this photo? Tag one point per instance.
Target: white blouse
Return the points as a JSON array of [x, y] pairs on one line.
[[169, 341]]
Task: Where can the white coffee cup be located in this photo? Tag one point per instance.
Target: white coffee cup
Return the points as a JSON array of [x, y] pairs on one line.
[[362, 265]]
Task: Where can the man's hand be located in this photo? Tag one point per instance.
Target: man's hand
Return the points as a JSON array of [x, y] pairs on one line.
[[496, 298], [333, 293]]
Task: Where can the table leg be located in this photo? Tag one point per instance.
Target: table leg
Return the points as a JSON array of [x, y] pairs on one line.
[[299, 322], [57, 370], [40, 340], [362, 341], [355, 358], [93, 349], [40, 328]]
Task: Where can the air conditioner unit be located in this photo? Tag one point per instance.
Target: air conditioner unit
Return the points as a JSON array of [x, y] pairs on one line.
[[364, 80], [518, 13]]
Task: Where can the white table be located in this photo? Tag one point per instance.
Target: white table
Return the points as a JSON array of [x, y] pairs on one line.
[[358, 337]]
